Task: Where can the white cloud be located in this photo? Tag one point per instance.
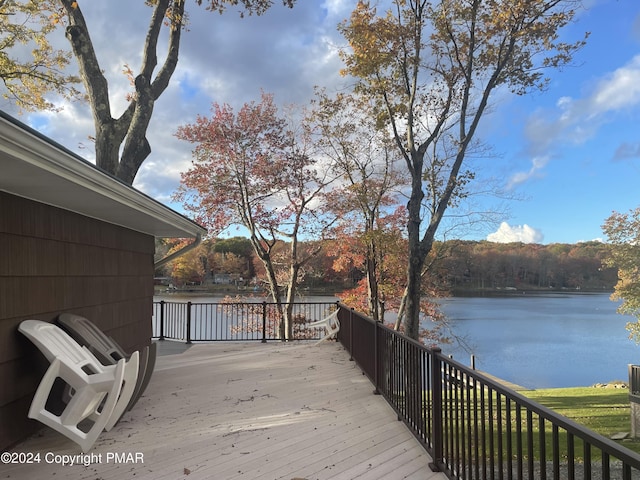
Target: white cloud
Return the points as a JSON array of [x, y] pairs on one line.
[[576, 120], [597, 239], [537, 165], [224, 59], [517, 233], [618, 90]]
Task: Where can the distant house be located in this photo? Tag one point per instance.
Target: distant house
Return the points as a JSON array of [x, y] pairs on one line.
[[72, 239], [222, 278]]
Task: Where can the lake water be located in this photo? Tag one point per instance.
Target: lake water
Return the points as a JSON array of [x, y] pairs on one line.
[[537, 341], [543, 341]]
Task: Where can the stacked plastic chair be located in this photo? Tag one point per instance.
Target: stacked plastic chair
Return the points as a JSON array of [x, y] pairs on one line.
[[107, 350], [98, 394]]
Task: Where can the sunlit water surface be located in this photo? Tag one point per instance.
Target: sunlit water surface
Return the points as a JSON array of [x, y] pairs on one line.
[[539, 341]]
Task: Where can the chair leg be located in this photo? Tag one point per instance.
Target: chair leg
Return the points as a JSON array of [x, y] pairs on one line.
[[148, 371], [130, 376], [107, 409], [85, 397], [144, 361]]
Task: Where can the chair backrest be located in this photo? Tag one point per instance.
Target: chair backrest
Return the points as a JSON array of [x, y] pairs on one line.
[[333, 321], [86, 333], [54, 343]]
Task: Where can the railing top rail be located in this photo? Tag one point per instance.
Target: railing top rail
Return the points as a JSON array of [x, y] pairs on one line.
[[227, 302]]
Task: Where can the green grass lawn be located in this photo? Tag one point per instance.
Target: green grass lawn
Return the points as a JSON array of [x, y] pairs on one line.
[[603, 410]]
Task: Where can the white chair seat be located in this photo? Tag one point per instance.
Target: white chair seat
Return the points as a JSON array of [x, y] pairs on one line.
[[331, 324], [99, 393]]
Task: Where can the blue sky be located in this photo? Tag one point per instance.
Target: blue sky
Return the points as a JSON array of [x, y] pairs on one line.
[[572, 153], [566, 157]]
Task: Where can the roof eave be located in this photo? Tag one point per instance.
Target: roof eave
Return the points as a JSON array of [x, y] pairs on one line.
[[35, 167]]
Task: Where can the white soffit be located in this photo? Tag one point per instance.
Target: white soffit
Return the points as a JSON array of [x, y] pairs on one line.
[[34, 167]]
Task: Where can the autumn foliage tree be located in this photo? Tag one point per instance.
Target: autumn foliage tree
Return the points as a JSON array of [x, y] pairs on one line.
[[190, 267], [623, 232], [366, 202], [380, 253], [121, 143], [431, 67], [28, 80], [255, 170], [228, 256]]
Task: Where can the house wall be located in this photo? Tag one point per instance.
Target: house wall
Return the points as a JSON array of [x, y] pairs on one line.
[[54, 261]]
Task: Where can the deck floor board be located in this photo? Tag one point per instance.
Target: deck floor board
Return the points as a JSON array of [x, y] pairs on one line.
[[235, 411]]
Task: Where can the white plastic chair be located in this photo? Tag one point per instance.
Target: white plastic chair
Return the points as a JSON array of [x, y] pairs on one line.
[[108, 351], [90, 383], [150, 364], [86, 333], [331, 324]]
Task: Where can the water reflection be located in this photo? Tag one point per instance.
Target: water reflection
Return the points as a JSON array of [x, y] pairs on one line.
[[543, 341]]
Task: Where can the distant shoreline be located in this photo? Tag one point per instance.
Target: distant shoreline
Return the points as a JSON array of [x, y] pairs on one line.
[[223, 290], [503, 292]]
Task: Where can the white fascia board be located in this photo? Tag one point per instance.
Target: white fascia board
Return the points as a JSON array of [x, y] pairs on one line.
[[34, 167]]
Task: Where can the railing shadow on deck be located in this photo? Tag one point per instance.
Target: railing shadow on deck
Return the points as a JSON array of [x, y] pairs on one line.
[[473, 427]]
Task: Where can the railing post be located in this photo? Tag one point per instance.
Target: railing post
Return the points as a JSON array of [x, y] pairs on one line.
[[351, 334], [634, 400], [188, 322], [162, 303], [264, 322], [436, 410], [375, 358]]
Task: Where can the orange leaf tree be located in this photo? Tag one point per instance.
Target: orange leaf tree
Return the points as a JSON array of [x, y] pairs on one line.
[[367, 202], [189, 267], [251, 169]]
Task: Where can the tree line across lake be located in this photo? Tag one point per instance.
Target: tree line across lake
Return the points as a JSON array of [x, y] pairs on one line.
[[457, 266]]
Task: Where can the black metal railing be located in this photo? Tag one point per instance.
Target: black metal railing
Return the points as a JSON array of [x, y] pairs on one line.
[[473, 427], [634, 380], [229, 321]]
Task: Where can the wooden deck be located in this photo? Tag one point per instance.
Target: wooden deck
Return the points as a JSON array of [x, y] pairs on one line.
[[244, 411]]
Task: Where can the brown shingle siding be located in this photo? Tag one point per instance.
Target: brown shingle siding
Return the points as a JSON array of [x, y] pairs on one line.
[[54, 261]]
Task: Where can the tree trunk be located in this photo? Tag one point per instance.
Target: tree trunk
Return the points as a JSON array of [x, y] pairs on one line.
[[414, 293], [372, 284], [288, 313], [275, 294], [416, 257], [107, 145], [132, 125], [291, 296]]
